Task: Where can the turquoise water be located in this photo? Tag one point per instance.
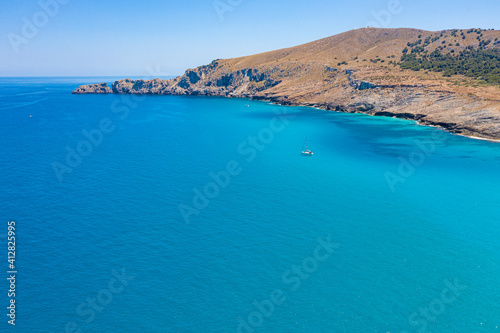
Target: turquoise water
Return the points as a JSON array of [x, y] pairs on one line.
[[365, 236]]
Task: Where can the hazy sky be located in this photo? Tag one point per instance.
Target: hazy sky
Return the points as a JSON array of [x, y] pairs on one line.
[[163, 37]]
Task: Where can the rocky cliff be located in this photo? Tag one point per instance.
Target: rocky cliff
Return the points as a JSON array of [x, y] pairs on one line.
[[334, 74], [98, 88]]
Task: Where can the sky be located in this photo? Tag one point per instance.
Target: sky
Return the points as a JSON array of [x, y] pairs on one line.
[[160, 38]]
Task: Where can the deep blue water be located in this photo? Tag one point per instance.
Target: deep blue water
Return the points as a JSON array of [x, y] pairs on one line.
[[361, 237]]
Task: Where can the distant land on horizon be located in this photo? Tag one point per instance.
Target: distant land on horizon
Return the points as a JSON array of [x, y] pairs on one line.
[[448, 78]]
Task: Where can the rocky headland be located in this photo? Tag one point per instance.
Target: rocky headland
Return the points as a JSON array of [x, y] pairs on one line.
[[357, 71]]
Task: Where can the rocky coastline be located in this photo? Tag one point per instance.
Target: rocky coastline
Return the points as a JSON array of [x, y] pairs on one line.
[[314, 82], [398, 101]]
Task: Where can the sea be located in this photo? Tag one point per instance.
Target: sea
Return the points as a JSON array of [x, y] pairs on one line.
[[200, 214]]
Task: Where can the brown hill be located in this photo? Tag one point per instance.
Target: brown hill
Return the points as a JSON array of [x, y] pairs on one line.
[[356, 71]]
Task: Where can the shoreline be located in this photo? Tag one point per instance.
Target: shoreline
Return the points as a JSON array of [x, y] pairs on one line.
[[478, 138], [327, 108], [417, 122], [378, 108]]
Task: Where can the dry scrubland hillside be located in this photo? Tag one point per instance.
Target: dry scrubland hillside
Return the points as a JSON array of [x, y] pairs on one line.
[[448, 78]]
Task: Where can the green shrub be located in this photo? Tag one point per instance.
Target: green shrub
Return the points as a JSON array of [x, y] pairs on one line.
[[479, 63]]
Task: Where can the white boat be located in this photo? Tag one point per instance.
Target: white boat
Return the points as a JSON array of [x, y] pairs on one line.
[[305, 151]]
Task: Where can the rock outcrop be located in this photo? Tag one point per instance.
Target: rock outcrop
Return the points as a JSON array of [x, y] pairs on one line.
[[99, 88]]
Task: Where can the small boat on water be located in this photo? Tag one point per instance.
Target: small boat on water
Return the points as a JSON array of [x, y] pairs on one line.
[[305, 150]]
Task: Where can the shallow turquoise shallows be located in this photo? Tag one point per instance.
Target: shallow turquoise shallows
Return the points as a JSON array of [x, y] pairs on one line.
[[199, 214]]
